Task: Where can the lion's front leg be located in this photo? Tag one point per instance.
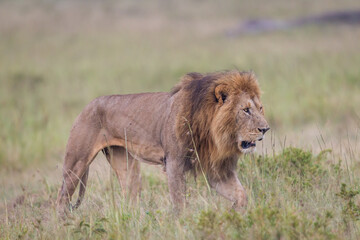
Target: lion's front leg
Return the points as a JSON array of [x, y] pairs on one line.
[[176, 182], [232, 190]]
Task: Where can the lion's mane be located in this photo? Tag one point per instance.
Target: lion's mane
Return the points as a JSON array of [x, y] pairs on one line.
[[209, 140]]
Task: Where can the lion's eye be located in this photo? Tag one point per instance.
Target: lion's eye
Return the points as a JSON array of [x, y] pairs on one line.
[[261, 109], [223, 97], [246, 110]]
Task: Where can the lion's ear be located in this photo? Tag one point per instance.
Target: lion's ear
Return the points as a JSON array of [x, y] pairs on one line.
[[220, 94]]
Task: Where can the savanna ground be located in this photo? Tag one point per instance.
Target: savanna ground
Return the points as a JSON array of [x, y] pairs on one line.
[[56, 56]]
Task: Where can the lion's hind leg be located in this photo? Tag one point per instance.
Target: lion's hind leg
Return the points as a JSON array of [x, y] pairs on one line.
[[82, 147], [72, 175], [127, 170]]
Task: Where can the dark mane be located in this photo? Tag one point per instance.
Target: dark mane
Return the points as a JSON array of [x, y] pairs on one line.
[[199, 106], [199, 93], [188, 77]]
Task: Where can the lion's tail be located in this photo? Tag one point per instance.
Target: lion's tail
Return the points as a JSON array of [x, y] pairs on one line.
[[82, 189]]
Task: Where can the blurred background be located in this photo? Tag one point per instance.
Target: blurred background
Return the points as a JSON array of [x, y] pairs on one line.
[[56, 56]]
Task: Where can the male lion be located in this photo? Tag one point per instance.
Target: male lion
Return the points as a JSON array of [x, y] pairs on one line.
[[204, 123]]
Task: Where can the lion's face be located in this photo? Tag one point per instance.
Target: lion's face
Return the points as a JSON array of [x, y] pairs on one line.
[[239, 120], [250, 122]]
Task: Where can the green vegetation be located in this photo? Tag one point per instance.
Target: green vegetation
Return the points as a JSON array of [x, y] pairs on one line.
[[309, 198], [56, 56]]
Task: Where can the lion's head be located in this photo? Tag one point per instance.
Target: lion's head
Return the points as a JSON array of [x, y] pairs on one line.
[[221, 116]]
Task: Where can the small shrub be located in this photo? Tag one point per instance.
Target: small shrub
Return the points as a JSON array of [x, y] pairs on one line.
[[270, 221], [87, 230], [208, 225], [350, 210], [236, 224], [299, 167]]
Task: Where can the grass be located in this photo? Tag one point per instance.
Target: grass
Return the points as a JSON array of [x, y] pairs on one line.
[[292, 195], [57, 56]]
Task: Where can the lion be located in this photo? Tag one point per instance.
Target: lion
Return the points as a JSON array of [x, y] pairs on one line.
[[204, 124]]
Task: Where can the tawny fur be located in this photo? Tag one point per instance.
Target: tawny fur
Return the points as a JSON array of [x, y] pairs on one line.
[[208, 114]]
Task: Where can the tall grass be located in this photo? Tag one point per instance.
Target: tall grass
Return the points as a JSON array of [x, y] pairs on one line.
[[292, 195]]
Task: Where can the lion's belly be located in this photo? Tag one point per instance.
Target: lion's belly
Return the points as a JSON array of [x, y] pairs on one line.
[[144, 152], [147, 154]]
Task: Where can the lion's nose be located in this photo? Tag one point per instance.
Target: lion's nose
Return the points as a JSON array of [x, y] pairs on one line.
[[263, 130]]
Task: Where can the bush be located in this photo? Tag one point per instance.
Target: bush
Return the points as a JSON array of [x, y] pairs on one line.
[[298, 167]]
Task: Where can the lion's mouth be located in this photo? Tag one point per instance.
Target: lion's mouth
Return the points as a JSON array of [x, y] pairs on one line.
[[246, 144]]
